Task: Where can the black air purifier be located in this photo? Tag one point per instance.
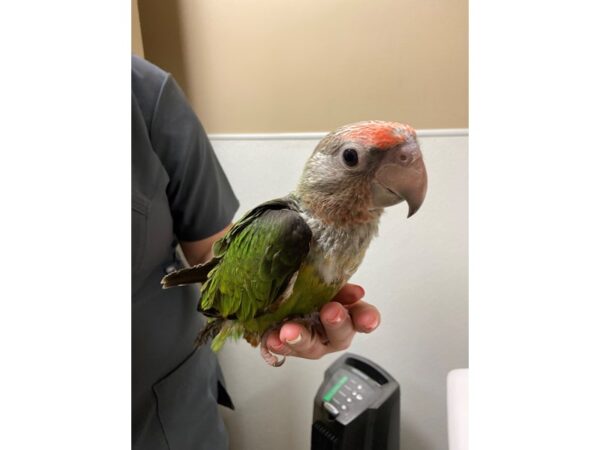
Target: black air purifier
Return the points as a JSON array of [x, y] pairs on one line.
[[357, 407]]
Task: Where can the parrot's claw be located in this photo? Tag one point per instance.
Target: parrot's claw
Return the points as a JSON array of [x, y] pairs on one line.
[[314, 324], [269, 357]]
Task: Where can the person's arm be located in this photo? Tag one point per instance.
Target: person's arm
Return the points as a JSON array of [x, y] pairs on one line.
[[199, 252]]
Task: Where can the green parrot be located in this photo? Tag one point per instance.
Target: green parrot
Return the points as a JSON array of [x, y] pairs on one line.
[[287, 257]]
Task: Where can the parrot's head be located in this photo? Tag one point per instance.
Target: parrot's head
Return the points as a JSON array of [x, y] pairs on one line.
[[361, 168]]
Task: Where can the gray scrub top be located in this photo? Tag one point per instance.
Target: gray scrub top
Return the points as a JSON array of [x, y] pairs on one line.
[[179, 192]]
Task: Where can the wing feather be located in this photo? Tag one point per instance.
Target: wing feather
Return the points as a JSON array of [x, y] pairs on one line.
[[257, 260]]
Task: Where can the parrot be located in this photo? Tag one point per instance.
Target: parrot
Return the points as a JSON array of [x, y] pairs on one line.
[[287, 257]]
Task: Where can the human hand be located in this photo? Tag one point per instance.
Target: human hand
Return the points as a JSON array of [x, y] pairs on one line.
[[342, 317]]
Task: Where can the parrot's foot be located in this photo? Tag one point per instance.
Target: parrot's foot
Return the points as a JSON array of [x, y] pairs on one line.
[[314, 324], [269, 357], [211, 329]]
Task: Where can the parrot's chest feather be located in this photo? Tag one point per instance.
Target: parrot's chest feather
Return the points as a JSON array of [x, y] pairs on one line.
[[336, 252]]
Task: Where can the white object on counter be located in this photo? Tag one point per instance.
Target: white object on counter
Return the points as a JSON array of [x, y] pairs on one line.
[[458, 409]]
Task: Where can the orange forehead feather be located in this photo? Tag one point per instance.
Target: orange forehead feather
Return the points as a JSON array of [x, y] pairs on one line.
[[380, 135]]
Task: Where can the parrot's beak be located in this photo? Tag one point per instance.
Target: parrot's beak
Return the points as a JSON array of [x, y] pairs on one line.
[[401, 176]]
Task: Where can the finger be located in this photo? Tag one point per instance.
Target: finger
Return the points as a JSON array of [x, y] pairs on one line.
[[349, 294], [338, 326], [276, 345], [301, 342], [365, 317]]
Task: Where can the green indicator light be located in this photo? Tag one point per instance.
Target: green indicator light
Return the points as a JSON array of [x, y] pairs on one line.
[[331, 392]]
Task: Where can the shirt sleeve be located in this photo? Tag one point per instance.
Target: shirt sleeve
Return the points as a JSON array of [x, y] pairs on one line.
[[201, 199]]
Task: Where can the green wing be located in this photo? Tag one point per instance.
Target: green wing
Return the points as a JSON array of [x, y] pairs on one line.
[[256, 261]]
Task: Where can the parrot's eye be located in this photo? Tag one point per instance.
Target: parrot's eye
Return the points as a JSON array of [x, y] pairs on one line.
[[350, 157]]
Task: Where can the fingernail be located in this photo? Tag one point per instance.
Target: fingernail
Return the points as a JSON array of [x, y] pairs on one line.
[[362, 291], [336, 319], [372, 324], [295, 340]]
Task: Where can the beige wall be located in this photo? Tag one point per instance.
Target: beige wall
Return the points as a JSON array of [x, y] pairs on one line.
[[310, 65], [137, 46]]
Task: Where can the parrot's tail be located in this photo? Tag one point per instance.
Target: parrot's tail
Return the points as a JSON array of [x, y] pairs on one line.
[[190, 275]]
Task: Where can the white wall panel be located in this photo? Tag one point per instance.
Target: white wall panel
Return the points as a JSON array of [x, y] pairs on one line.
[[416, 272]]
